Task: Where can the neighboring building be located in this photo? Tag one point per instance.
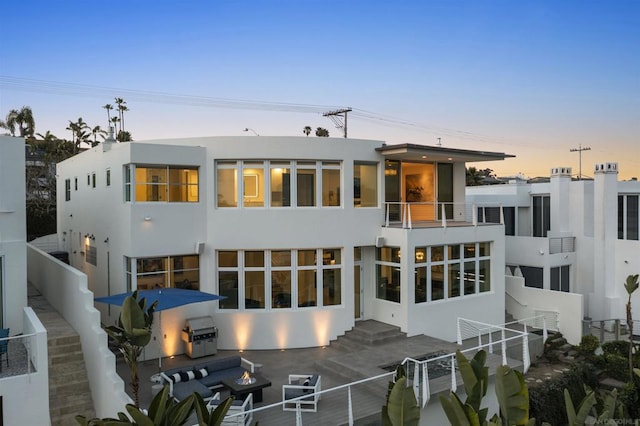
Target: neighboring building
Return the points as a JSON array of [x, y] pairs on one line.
[[13, 252], [303, 236], [577, 236]]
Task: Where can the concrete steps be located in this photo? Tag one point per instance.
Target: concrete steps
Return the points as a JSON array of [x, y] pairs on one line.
[[69, 391], [365, 336]]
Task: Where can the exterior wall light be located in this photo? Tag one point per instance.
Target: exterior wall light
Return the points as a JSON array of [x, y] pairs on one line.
[[147, 218]]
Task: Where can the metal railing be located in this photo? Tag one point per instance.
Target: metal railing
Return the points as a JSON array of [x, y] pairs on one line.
[[408, 214], [610, 329], [20, 357], [420, 372]]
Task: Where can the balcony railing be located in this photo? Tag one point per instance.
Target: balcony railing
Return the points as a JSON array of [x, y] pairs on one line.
[[429, 375], [408, 215], [19, 358]]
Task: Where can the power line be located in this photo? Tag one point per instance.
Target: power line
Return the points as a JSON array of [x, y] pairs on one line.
[[95, 91]]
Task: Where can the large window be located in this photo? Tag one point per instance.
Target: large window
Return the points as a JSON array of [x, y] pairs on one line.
[[161, 183], [270, 183], [280, 279], [145, 273], [628, 217], [541, 215], [365, 185], [450, 271], [388, 274]]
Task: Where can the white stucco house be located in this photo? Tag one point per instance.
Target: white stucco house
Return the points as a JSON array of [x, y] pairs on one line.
[[23, 368], [303, 236], [13, 233], [569, 236]]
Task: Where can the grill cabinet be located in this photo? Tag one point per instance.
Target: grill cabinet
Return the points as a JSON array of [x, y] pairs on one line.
[[200, 337]]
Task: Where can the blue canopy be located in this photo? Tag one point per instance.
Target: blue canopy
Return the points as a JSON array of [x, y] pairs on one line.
[[167, 298]]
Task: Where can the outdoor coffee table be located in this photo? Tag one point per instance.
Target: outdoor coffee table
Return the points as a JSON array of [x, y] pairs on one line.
[[240, 391]]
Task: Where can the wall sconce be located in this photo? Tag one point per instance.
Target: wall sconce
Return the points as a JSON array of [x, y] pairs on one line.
[[541, 252], [147, 218]]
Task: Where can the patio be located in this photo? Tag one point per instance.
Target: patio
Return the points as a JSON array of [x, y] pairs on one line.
[[276, 365]]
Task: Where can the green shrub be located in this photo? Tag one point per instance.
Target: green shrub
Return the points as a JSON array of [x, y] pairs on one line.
[[616, 347], [617, 367], [630, 397], [546, 402], [588, 345]]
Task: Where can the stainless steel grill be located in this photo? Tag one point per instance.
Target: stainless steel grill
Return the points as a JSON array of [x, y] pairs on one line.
[[200, 337]]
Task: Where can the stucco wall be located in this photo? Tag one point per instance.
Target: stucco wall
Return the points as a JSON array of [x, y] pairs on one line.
[[66, 290]]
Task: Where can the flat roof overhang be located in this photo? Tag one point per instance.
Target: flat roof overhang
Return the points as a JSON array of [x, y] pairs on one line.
[[422, 153]]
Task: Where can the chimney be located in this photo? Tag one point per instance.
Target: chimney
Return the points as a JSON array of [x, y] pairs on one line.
[[106, 144]]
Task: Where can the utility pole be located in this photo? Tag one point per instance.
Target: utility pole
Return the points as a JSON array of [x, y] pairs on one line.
[[336, 116], [579, 150]]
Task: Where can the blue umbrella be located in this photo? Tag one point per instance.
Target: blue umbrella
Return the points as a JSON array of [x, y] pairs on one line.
[[168, 298]]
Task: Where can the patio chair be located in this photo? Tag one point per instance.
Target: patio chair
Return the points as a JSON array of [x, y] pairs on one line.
[[4, 346], [299, 386], [238, 406]]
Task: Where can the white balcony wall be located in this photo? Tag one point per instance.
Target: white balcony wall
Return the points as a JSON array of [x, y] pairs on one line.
[[19, 393], [525, 302]]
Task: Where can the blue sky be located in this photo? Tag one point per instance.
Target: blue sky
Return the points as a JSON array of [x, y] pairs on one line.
[[530, 78]]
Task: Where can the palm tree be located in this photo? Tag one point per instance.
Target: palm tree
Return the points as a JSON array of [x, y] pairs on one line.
[[10, 122], [306, 130], [23, 120], [26, 123], [322, 132], [115, 121], [97, 131], [79, 133], [122, 107], [108, 107]]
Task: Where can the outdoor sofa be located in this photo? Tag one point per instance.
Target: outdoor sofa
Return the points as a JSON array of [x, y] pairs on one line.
[[205, 376]]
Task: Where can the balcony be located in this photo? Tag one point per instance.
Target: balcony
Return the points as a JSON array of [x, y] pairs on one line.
[[435, 215]]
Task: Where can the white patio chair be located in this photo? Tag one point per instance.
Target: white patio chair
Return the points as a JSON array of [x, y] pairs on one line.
[[299, 386], [237, 407]]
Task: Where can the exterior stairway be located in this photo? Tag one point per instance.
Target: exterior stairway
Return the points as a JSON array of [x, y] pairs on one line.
[[366, 335], [69, 392]]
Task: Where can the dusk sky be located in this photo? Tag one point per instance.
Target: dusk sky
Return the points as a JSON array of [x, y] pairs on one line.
[[529, 78]]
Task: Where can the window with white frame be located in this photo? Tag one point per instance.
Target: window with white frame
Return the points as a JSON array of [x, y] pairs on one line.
[[279, 279], [628, 217], [161, 183], [181, 271], [388, 274], [450, 271], [365, 184], [270, 183], [560, 278], [541, 219]]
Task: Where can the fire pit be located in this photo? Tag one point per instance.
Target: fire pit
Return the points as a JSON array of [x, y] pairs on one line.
[[246, 379]]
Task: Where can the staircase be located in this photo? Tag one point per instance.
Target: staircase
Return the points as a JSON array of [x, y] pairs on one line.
[[367, 335], [69, 391]]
